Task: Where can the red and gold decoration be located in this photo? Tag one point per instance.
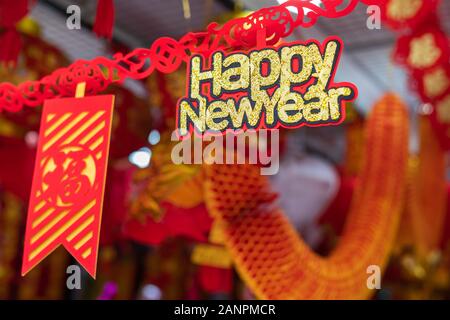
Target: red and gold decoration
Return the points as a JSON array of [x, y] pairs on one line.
[[69, 179], [424, 50], [240, 75], [56, 219]]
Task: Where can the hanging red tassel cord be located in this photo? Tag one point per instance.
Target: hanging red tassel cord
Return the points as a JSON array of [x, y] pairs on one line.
[[10, 48], [104, 19], [10, 14]]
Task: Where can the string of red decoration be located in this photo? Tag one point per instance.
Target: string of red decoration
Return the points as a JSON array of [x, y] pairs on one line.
[[167, 54], [423, 48]]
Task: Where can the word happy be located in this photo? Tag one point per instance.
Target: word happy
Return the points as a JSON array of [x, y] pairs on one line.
[[289, 86]]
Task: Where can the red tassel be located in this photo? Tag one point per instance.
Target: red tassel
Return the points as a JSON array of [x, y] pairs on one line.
[[10, 46], [104, 19], [12, 11], [10, 14]]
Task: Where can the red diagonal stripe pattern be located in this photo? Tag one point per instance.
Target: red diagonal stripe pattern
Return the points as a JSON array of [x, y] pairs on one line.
[[69, 179]]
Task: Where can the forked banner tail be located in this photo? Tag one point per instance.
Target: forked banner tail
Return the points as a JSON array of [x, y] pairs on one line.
[[69, 180]]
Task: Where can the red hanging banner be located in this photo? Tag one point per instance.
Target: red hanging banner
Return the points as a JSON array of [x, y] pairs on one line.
[[69, 180]]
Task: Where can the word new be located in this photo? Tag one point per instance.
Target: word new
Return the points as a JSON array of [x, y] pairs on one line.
[[288, 86]]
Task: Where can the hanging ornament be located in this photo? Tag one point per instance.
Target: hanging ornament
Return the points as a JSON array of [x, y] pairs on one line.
[[308, 66], [69, 177]]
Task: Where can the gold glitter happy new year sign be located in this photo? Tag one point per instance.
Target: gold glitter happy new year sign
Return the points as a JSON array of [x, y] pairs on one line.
[[286, 86]]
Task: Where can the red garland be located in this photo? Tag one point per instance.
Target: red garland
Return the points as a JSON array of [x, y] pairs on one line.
[[167, 54], [424, 50]]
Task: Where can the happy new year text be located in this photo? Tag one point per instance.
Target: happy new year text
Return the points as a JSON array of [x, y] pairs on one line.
[[288, 86]]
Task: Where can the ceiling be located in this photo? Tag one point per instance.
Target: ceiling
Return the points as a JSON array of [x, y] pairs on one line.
[[366, 59]]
